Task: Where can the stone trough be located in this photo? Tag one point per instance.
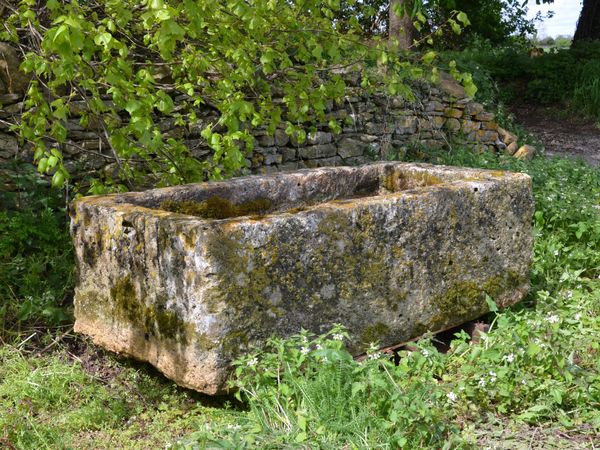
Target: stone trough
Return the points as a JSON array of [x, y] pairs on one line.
[[189, 277]]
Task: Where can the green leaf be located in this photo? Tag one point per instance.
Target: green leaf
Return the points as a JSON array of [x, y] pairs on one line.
[[133, 106], [455, 27], [429, 57], [42, 165], [462, 18], [103, 39], [58, 179], [301, 437], [493, 307], [302, 422]]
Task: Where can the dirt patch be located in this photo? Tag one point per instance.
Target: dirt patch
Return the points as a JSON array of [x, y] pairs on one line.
[[504, 435], [561, 133]]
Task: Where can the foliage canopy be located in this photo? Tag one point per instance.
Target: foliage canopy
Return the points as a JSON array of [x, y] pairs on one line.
[[260, 63]]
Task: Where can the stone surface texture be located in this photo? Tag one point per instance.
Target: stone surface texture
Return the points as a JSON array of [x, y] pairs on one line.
[[390, 250]]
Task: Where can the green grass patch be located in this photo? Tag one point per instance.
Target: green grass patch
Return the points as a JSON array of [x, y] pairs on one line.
[[59, 402], [537, 368]]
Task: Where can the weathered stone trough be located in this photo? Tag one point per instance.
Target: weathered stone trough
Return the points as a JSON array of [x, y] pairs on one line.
[[389, 250]]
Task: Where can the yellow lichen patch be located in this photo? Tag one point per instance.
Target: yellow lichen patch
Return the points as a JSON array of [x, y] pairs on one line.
[[401, 181], [218, 208]]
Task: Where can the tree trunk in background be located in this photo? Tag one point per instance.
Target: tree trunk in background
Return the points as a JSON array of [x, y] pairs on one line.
[[401, 28], [588, 26]]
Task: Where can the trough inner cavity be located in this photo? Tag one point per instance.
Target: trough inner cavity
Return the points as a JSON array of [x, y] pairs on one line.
[[191, 277], [291, 195]]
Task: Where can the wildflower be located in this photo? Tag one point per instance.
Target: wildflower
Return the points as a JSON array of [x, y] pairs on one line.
[[319, 347], [425, 353], [492, 376], [481, 383], [304, 350], [452, 396], [569, 294], [338, 337], [555, 252], [577, 316], [509, 358], [553, 318], [252, 362], [375, 355]]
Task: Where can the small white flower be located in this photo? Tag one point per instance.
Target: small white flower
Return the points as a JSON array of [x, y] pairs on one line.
[[509, 358], [372, 347], [425, 353], [252, 362], [375, 355], [555, 252], [569, 294], [523, 382], [553, 318], [319, 347], [338, 337], [577, 316], [481, 383], [305, 350], [452, 396]]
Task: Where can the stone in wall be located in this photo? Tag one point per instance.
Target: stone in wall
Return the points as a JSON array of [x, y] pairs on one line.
[[12, 80]]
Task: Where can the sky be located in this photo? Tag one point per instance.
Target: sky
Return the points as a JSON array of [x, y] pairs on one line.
[[564, 20]]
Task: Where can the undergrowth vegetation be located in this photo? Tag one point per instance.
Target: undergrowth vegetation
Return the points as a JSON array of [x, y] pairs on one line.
[[539, 364], [570, 76], [36, 256]]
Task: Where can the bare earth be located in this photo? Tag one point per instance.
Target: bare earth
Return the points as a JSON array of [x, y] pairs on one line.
[[560, 133]]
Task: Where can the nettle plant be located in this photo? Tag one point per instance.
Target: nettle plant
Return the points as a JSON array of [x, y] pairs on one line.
[[261, 63]]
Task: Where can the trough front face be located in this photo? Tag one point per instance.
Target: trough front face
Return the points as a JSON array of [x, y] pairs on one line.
[[190, 277]]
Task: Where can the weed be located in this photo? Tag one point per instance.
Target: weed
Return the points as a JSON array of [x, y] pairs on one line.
[[36, 256]]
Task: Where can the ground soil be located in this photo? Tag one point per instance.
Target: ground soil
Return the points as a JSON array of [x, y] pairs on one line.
[[560, 131]]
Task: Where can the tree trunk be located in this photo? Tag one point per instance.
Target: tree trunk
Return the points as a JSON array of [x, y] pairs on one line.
[[401, 29], [588, 25]]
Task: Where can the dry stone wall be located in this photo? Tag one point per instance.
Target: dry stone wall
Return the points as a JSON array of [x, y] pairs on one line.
[[375, 127]]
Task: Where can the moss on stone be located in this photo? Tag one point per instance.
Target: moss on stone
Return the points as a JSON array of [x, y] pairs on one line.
[[155, 319], [218, 208], [374, 333]]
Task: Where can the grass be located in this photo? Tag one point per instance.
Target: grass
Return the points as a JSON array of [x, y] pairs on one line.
[[533, 379], [61, 401]]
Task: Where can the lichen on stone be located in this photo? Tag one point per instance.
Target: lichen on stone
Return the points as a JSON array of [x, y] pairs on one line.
[[216, 207]]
